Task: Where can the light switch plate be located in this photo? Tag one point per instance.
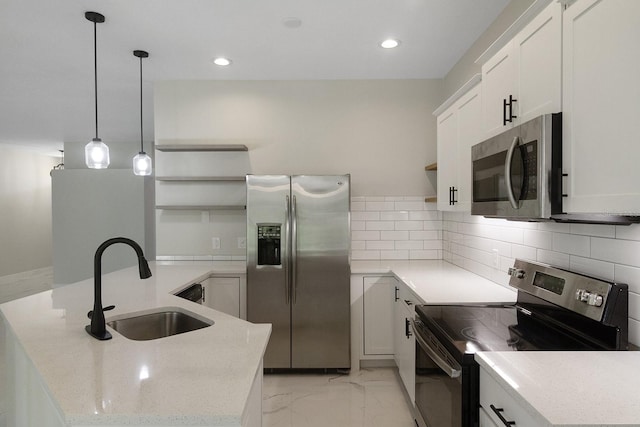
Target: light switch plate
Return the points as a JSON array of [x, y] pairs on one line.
[[242, 242], [215, 243]]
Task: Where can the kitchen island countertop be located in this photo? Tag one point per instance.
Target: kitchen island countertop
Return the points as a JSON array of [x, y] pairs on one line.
[[203, 377]]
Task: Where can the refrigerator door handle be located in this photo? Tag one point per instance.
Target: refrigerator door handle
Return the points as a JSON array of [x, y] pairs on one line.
[[294, 247], [285, 258]]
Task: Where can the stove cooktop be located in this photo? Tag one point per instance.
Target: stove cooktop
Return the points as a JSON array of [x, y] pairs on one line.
[[467, 329]]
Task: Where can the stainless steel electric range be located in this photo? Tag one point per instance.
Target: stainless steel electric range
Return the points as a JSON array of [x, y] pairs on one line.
[[555, 310]]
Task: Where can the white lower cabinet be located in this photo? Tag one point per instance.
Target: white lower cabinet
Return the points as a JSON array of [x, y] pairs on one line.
[[226, 294], [378, 299], [404, 340], [496, 402]]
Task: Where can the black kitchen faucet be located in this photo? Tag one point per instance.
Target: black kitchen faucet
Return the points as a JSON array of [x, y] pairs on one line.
[[97, 329]]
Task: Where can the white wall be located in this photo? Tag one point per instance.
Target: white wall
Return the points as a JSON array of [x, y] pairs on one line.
[[606, 251], [380, 131], [25, 214]]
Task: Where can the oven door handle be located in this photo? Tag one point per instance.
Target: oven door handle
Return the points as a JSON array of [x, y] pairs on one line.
[[507, 173], [451, 371]]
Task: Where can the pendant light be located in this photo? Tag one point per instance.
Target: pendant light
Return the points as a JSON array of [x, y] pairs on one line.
[[141, 161], [96, 152]]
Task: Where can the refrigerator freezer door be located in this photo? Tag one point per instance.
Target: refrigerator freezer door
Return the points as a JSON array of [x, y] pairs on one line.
[[268, 287], [320, 288]]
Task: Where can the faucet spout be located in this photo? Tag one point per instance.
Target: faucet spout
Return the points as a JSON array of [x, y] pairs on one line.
[[97, 328]]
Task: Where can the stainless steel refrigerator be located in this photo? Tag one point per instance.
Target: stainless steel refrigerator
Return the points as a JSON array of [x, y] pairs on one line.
[[298, 238]]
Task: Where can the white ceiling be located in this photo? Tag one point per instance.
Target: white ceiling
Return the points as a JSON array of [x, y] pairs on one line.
[[46, 53]]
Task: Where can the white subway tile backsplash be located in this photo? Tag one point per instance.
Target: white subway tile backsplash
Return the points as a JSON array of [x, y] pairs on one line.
[[523, 252], [450, 226], [424, 215], [628, 232], [358, 225], [380, 206], [425, 254], [557, 259], [380, 225], [358, 245], [538, 239], [365, 235], [357, 206], [432, 225], [394, 216], [365, 216], [380, 245], [431, 244], [424, 235], [592, 267], [375, 198], [634, 331], [431, 207], [408, 225], [412, 244], [628, 275], [394, 235], [615, 250], [358, 199], [599, 230], [409, 206], [634, 306], [365, 255], [573, 244], [394, 254]]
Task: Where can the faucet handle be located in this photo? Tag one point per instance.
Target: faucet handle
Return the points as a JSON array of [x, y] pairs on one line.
[[107, 308]]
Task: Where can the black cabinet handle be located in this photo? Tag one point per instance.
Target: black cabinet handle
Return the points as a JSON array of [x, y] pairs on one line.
[[511, 101], [498, 412], [395, 295], [453, 196], [504, 112], [407, 331]]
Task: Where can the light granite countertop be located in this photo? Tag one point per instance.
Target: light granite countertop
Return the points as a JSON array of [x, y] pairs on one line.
[[199, 378], [439, 282], [583, 388]]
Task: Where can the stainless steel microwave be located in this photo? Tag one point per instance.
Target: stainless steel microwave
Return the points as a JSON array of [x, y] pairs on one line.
[[518, 174]]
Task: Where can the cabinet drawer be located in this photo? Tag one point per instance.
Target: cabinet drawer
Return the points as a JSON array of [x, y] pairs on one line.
[[494, 399]]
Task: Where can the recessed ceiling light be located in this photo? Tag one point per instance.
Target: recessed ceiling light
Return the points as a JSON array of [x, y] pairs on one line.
[[223, 62], [389, 43], [292, 22]]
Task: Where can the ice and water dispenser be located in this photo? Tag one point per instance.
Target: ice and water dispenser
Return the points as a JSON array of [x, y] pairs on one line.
[[269, 244]]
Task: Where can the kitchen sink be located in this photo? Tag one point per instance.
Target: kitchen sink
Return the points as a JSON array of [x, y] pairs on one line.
[[158, 325]]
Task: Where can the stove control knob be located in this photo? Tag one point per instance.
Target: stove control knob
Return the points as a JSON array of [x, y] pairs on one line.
[[595, 300], [583, 295], [516, 272]]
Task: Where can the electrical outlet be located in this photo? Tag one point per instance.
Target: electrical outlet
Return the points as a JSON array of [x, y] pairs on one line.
[[496, 258], [242, 242], [215, 243]]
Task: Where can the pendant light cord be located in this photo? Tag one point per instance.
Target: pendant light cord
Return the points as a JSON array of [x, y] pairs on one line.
[[141, 139], [95, 71]]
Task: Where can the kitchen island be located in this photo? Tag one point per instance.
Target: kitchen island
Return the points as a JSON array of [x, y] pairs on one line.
[[58, 375]]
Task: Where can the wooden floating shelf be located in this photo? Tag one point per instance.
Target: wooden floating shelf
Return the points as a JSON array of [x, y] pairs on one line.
[[430, 199], [202, 147], [201, 207], [201, 178], [431, 167]]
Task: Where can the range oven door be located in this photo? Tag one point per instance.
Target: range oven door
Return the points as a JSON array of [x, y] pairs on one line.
[[439, 390]]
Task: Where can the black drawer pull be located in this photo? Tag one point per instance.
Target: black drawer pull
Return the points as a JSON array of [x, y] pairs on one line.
[[498, 412], [395, 294], [407, 328]]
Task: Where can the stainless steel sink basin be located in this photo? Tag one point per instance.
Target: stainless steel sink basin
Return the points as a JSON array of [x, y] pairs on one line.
[[157, 325]]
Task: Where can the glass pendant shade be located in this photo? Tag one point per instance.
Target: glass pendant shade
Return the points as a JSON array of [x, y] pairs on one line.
[[96, 154], [142, 164]]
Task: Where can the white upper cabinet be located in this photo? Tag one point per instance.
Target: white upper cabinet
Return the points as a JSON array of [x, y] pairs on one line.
[[523, 79], [601, 98], [459, 127]]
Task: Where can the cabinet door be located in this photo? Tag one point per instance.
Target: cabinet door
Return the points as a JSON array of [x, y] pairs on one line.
[[379, 296], [485, 419], [469, 123], [498, 82], [538, 69], [601, 108], [223, 294], [447, 157], [405, 347]]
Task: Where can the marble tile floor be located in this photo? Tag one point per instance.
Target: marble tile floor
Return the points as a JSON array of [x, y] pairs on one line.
[[371, 397]]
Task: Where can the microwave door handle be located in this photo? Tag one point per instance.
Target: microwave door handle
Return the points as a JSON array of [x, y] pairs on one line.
[[507, 173], [453, 372]]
